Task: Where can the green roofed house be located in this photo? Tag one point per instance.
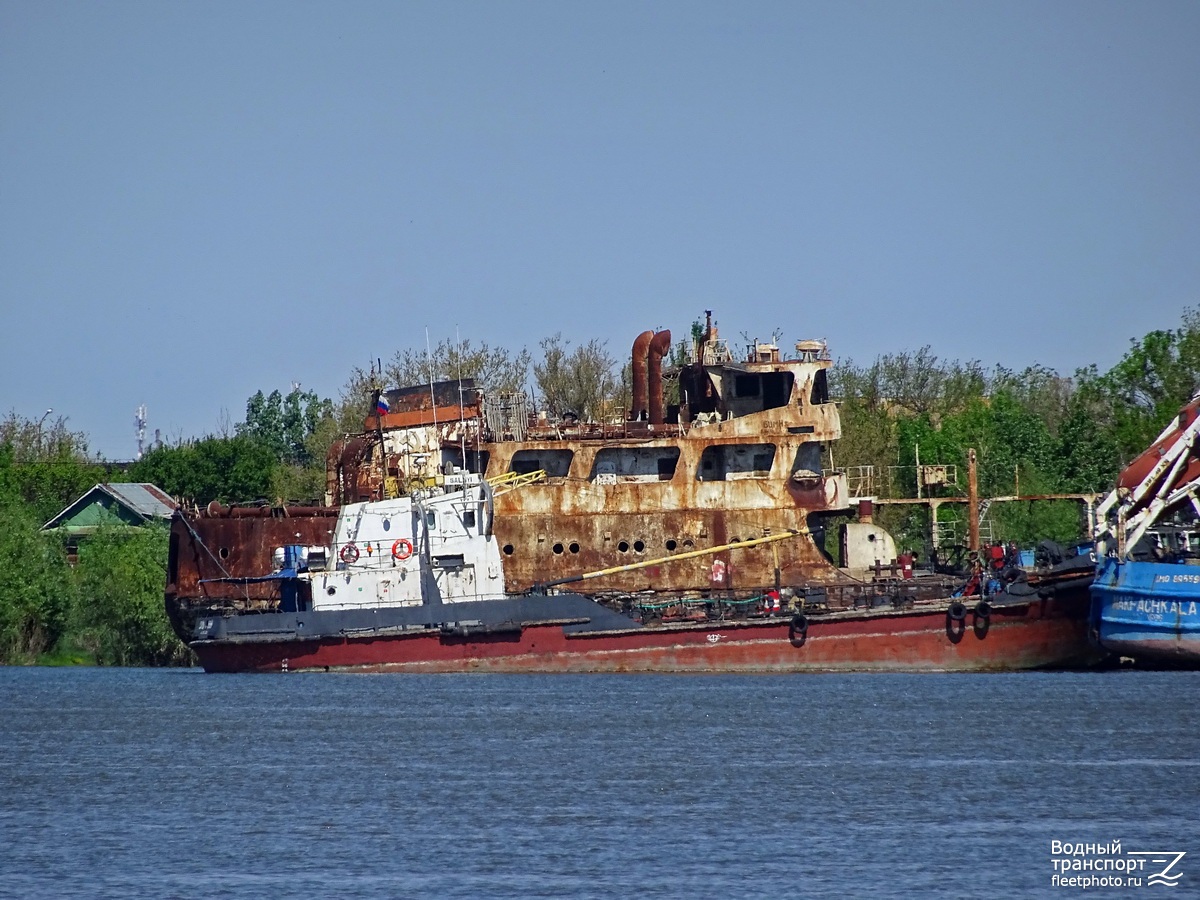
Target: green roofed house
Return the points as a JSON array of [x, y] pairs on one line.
[[131, 505]]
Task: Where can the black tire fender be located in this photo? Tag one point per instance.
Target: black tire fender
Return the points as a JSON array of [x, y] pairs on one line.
[[955, 625], [798, 630], [981, 620]]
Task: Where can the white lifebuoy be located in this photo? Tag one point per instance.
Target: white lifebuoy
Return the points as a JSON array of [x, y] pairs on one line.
[[402, 549]]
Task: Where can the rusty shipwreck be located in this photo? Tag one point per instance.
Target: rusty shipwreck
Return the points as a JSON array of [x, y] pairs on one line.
[[463, 531]]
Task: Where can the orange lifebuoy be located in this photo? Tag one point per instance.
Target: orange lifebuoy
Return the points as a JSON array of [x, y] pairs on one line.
[[349, 554], [402, 549]]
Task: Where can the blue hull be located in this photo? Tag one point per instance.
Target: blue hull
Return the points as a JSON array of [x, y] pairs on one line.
[[1148, 611]]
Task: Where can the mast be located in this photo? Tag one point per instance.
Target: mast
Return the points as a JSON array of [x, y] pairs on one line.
[[972, 502]]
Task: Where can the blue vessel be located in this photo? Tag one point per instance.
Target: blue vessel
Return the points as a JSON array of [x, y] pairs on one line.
[[1146, 596], [1148, 611]]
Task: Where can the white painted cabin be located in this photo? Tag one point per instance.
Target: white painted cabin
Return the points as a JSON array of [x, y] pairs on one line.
[[433, 546]]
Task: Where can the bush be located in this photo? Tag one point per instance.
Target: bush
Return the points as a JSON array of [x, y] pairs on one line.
[[120, 615], [36, 589]]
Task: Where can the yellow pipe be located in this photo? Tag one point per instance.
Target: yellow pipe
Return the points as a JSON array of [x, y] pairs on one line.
[[739, 545]]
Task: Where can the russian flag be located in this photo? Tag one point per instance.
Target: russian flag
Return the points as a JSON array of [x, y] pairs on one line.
[[381, 405]]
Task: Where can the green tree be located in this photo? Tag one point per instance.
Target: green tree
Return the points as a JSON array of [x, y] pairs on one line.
[[1088, 451], [911, 402], [120, 614], [1158, 374], [296, 484], [493, 369], [285, 424], [35, 585], [45, 466], [49, 485], [35, 439], [579, 380], [228, 470], [1039, 389]]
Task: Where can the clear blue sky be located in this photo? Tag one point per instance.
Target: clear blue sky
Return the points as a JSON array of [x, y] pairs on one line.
[[199, 200]]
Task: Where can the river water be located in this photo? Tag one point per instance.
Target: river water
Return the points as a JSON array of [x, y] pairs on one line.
[[172, 783]]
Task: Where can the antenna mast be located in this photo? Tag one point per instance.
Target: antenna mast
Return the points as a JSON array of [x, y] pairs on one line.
[[139, 423], [462, 423]]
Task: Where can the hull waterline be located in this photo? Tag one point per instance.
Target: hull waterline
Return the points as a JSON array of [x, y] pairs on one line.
[[1031, 635]]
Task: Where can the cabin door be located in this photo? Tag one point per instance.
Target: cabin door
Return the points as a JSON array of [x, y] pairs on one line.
[[455, 579]]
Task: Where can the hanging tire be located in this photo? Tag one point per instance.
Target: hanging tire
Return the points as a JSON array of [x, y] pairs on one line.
[[956, 622], [981, 620], [798, 630]]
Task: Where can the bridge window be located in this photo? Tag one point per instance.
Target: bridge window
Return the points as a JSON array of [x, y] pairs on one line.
[[556, 463], [820, 388], [634, 464], [756, 391], [730, 462], [745, 386], [808, 459], [777, 389]]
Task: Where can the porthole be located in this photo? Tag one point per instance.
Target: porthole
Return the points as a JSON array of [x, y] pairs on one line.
[[623, 547], [671, 545], [574, 548], [558, 549], [508, 549], [639, 546], [223, 553], [331, 590], [688, 544]]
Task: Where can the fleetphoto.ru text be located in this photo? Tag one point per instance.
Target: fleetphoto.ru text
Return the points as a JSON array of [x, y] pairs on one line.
[[1101, 865]]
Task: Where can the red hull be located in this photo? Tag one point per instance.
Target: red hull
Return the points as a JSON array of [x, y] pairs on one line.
[[1041, 634]]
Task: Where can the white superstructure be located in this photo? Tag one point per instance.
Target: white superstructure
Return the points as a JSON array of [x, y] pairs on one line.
[[429, 547]]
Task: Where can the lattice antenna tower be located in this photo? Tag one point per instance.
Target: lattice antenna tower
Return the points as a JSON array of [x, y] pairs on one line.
[[139, 422]]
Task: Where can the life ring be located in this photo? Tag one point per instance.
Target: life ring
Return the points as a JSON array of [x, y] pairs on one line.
[[348, 554], [982, 620], [798, 630], [402, 549]]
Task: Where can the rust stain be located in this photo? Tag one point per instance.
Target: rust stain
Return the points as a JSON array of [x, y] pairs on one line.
[[739, 458]]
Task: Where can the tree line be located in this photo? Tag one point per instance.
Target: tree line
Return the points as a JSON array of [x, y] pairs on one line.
[[1035, 430], [108, 607]]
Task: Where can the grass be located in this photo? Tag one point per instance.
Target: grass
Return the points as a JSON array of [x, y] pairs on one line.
[[67, 653]]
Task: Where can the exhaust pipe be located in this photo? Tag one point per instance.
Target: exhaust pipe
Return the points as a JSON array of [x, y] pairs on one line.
[[659, 347], [641, 347]]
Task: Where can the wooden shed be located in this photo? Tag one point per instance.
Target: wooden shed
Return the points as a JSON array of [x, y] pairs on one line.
[[130, 505]]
